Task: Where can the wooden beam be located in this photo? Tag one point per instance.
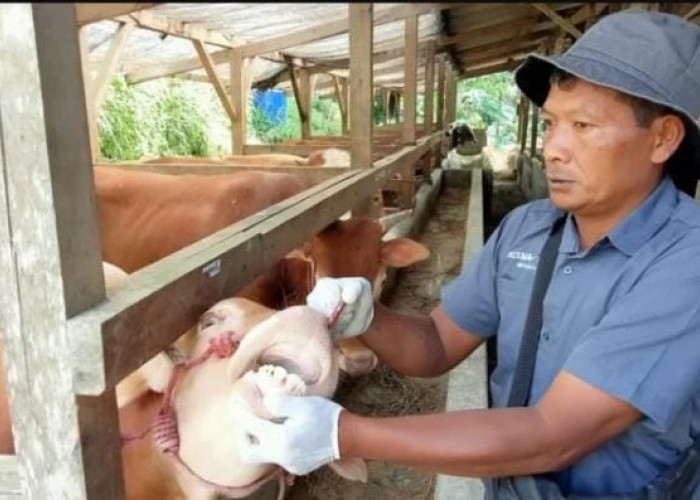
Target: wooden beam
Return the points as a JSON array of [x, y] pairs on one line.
[[189, 31], [315, 174], [410, 76], [361, 38], [429, 92], [304, 85], [450, 95], [134, 321], [512, 42], [66, 123], [191, 64], [474, 61], [385, 105], [380, 57], [93, 131], [33, 305], [238, 125], [694, 10], [297, 93], [333, 28], [92, 12], [116, 47], [503, 63], [159, 71], [441, 94], [208, 64], [533, 131], [339, 95], [504, 31], [526, 121], [560, 21]]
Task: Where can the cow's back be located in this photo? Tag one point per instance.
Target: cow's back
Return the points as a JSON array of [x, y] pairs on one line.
[[146, 216]]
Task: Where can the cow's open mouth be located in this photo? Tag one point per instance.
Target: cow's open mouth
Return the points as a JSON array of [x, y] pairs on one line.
[[293, 360]]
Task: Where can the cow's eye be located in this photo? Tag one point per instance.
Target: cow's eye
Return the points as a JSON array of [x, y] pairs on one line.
[[208, 320]]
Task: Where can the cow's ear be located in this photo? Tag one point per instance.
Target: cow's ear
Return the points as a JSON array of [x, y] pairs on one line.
[[402, 252], [304, 253]]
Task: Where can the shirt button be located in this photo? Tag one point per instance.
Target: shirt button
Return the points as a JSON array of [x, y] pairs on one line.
[[567, 270], [545, 335]]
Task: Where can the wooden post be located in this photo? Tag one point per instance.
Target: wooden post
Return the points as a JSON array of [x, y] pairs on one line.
[[533, 136], [77, 225], [410, 77], [450, 96], [93, 130], [210, 68], [385, 105], [428, 105], [429, 102], [48, 230], [344, 92], [238, 125], [341, 95], [305, 103], [526, 121], [441, 94], [361, 39], [116, 48]]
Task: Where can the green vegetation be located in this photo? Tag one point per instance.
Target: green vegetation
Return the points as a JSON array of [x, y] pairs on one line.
[[162, 117], [325, 120], [176, 117], [490, 102]]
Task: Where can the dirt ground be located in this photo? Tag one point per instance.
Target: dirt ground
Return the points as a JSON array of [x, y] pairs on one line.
[[384, 392]]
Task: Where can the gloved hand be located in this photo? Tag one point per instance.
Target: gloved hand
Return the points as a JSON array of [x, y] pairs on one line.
[[359, 304], [306, 439]]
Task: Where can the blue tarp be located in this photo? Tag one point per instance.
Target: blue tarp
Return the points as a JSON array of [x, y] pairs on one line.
[[272, 103]]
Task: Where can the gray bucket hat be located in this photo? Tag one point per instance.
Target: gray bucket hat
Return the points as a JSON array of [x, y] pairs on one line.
[[651, 55]]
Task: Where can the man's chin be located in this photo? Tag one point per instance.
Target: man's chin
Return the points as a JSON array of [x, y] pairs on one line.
[[563, 202]]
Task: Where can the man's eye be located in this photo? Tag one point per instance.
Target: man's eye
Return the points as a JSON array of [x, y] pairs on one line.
[[581, 125], [545, 125]]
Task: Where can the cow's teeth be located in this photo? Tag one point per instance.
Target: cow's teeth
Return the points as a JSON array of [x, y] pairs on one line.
[[272, 379]]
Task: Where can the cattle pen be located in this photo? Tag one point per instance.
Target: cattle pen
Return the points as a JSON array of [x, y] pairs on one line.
[[66, 343]]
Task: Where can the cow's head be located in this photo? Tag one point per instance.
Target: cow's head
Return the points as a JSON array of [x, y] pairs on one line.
[[330, 157], [355, 247], [460, 134], [365, 247], [287, 351]]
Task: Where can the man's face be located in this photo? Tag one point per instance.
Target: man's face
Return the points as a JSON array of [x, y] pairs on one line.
[[597, 159]]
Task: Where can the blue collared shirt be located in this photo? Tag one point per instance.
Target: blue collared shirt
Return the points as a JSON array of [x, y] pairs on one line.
[[623, 316]]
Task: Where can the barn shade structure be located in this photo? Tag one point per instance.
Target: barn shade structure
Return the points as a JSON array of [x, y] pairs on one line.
[[65, 344]]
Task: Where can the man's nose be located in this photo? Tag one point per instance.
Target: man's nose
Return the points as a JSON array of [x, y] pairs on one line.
[[556, 145]]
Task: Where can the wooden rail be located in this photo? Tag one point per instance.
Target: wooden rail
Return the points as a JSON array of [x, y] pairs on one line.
[[165, 299]]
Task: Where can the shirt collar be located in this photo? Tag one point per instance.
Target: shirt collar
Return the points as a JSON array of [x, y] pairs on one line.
[[638, 227]]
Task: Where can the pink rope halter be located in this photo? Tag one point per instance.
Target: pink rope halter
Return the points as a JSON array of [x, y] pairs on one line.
[[165, 429]]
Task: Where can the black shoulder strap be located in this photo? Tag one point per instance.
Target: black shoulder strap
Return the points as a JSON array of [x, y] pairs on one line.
[[525, 367]]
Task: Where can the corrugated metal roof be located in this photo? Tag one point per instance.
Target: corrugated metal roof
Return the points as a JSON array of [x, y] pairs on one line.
[[478, 38]]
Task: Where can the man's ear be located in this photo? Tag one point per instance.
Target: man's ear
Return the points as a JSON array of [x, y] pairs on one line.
[[669, 131]]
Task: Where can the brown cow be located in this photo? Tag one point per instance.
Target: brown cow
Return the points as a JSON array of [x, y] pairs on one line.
[[333, 157], [145, 216]]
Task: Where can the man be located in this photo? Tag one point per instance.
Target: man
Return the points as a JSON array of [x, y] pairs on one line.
[[614, 404]]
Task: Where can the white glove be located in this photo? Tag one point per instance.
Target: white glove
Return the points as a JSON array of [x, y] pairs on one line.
[[359, 304], [306, 439]]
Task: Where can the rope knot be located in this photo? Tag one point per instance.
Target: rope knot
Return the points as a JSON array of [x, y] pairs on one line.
[[165, 433], [223, 346]]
